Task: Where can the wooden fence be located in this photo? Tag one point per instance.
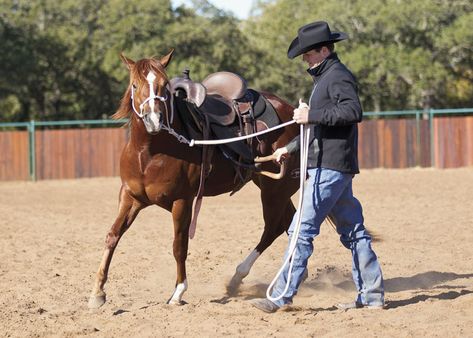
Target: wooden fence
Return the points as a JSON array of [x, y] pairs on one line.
[[389, 143], [74, 153], [14, 150], [383, 143]]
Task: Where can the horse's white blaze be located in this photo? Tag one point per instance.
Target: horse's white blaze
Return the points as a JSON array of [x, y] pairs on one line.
[[178, 292], [244, 268], [151, 77], [154, 118]]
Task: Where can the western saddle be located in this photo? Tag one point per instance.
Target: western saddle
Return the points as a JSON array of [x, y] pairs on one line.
[[217, 103], [212, 107]]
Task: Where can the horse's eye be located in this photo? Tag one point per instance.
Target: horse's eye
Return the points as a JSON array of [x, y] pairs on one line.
[[134, 86]]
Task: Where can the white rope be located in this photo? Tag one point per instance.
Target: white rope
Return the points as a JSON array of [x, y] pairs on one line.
[[239, 138], [304, 150]]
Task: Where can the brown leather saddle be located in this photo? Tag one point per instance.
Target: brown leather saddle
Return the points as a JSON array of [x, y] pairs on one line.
[[222, 106]]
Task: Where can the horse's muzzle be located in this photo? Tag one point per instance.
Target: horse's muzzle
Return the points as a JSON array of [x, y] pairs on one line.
[[153, 122]]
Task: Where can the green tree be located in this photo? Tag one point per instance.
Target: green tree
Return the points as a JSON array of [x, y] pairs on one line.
[[61, 58], [46, 64], [405, 54]]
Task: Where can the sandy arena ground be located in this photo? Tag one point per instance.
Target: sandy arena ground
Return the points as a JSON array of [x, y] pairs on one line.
[[52, 236]]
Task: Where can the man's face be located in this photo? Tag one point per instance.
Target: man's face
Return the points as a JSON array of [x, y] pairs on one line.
[[314, 58]]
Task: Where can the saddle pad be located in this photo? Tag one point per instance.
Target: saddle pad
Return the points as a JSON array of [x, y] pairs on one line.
[[264, 111]]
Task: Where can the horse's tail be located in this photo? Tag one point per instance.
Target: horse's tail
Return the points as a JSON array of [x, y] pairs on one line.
[[375, 237]]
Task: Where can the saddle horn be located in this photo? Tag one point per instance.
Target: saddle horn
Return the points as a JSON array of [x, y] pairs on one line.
[[274, 176]]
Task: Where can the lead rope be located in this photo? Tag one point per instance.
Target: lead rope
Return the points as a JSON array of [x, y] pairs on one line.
[[291, 253], [304, 152]]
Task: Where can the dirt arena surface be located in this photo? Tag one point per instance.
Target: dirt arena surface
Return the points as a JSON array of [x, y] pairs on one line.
[[52, 235]]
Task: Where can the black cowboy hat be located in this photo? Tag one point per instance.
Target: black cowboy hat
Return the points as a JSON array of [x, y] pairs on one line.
[[311, 36]]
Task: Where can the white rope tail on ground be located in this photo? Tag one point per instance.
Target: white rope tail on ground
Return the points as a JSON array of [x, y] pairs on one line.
[[304, 148]]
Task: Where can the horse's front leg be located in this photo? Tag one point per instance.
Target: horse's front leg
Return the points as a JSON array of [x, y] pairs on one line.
[[181, 215], [277, 213], [127, 211]]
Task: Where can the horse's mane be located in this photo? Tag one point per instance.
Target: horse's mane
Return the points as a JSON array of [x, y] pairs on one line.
[[138, 72]]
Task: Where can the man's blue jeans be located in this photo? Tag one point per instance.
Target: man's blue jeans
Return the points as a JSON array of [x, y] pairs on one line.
[[329, 193]]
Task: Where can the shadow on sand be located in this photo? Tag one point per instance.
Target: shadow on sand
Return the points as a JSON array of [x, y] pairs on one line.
[[430, 280]]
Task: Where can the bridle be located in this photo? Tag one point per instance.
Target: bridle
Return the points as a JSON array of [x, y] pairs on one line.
[[152, 96], [150, 100]]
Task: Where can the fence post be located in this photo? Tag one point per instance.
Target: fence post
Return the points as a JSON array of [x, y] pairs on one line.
[[432, 141], [32, 149], [419, 150]]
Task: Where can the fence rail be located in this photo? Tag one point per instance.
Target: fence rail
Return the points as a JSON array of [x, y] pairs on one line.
[[441, 138]]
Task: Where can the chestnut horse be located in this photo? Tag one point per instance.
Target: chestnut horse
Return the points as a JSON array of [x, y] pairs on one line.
[[156, 168]]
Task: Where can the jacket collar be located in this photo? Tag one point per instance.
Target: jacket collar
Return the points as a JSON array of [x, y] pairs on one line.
[[322, 68]]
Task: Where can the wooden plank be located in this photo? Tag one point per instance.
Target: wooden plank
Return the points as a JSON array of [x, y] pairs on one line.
[[413, 152], [438, 144], [469, 141], [425, 157], [14, 159], [460, 143], [380, 139]]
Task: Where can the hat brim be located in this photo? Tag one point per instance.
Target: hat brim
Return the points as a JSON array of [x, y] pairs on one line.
[[295, 49]]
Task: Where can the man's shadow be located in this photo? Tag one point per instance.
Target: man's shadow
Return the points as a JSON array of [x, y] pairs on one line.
[[426, 281], [423, 281]]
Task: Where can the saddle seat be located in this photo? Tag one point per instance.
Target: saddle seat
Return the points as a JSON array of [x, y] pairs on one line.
[[225, 84], [223, 89], [219, 96]]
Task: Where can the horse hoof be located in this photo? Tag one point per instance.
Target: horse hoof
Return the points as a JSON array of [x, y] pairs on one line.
[[175, 301], [234, 285], [96, 301]]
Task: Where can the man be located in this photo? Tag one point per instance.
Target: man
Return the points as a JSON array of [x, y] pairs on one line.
[[333, 114]]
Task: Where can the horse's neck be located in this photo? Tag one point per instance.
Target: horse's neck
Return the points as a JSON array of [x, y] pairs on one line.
[[139, 137], [163, 141]]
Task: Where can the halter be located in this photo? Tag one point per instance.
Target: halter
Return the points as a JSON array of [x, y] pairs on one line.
[[152, 96]]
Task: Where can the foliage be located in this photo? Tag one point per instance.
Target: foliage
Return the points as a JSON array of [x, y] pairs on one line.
[[60, 59], [405, 54]]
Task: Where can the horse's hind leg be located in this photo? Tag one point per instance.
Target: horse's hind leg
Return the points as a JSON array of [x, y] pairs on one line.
[[278, 214], [127, 211], [181, 216]]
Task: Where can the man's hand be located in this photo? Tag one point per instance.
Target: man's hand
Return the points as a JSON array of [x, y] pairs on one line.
[[281, 154], [301, 113]]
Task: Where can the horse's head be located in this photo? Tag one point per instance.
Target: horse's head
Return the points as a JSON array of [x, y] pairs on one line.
[[147, 93]]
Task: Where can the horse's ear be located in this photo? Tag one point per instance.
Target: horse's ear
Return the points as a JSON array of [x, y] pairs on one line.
[[166, 58], [127, 61]]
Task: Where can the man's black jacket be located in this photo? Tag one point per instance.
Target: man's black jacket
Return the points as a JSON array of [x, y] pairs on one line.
[[335, 110]]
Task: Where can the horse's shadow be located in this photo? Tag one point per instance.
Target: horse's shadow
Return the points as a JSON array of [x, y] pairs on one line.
[[430, 280]]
